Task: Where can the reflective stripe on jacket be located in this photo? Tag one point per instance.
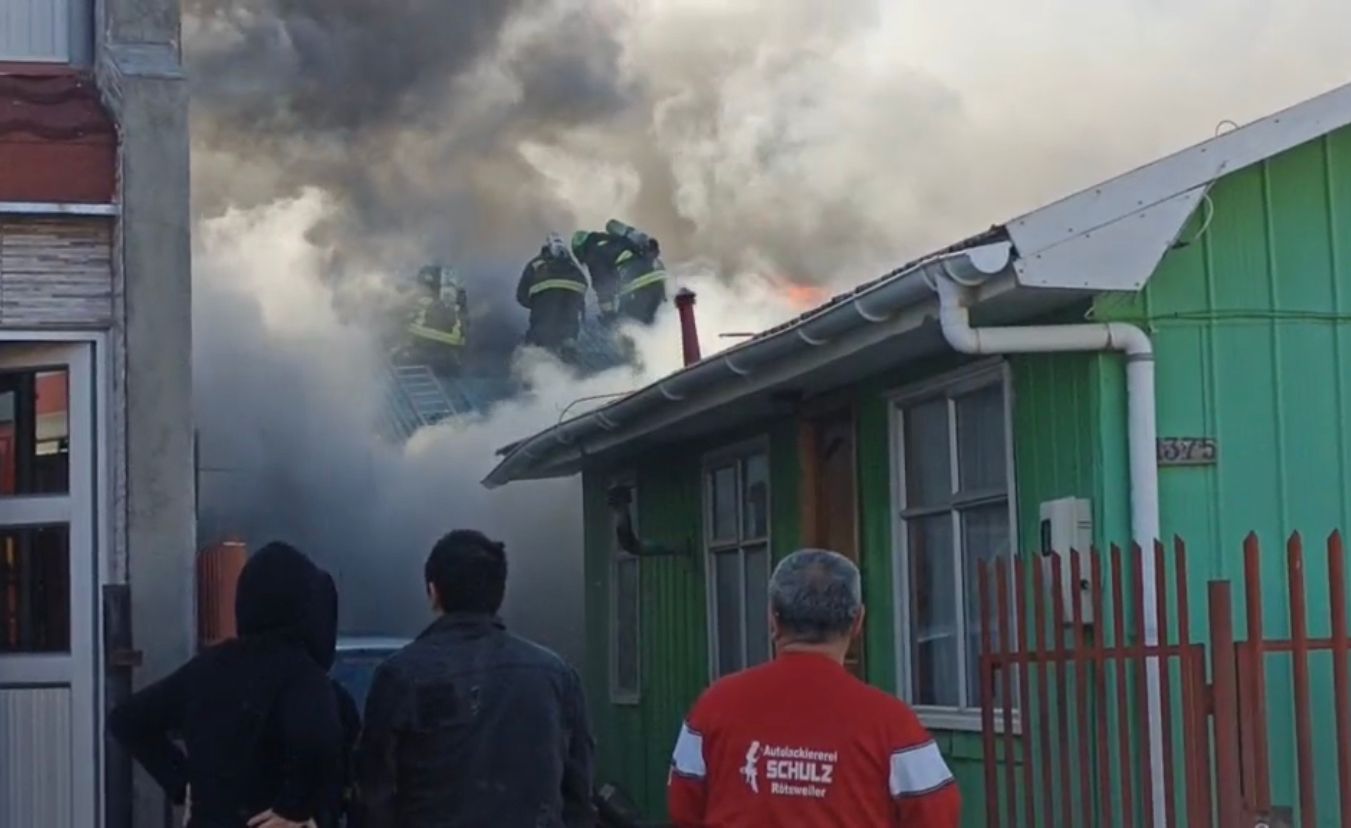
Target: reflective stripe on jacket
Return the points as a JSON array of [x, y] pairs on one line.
[[642, 281], [557, 284]]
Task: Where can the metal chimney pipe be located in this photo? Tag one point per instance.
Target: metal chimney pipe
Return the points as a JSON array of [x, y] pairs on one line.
[[689, 332]]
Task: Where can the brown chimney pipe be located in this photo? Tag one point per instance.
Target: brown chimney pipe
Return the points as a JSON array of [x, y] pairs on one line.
[[689, 332]]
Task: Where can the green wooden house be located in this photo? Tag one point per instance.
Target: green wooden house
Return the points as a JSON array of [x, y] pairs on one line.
[[1162, 353]]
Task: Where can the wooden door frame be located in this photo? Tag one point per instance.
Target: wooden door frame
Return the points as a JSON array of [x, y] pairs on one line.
[[811, 416]]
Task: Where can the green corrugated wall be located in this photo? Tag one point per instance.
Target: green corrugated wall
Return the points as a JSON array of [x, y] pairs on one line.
[[1250, 330], [635, 741]]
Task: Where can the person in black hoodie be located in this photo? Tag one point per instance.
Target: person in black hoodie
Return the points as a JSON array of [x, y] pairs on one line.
[[257, 715]]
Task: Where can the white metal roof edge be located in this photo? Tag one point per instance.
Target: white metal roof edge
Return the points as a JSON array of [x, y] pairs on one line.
[[1168, 179]]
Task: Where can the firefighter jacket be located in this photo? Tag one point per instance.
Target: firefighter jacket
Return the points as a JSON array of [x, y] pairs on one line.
[[626, 279], [470, 725], [600, 253], [554, 289], [437, 322], [799, 741], [642, 286]]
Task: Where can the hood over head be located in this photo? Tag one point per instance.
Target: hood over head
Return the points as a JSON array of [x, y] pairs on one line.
[[281, 592]]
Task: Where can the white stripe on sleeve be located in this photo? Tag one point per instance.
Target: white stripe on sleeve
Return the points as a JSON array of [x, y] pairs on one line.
[[688, 759], [918, 770]]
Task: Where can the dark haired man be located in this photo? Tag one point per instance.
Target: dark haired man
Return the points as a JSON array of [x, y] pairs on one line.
[[470, 725]]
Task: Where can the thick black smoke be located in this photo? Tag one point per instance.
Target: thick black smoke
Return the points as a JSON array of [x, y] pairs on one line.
[[393, 109]]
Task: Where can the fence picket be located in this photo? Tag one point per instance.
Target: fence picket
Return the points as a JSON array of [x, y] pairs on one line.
[[1043, 698], [1081, 711], [1254, 685], [1341, 683], [1002, 602], [1165, 690], [987, 668], [1299, 665], [1062, 695], [1024, 693]]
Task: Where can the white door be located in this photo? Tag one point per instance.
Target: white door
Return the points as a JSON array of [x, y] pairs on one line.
[[48, 746]]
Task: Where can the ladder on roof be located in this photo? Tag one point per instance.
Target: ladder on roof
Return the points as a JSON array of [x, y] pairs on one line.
[[424, 393]]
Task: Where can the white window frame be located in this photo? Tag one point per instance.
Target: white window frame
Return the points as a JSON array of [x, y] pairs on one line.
[[949, 385], [736, 453], [623, 695]]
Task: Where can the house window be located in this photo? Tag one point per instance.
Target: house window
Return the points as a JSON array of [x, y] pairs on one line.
[[625, 612], [47, 31], [736, 497], [954, 473]]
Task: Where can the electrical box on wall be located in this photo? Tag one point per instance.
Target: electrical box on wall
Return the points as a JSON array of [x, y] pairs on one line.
[[1066, 526]]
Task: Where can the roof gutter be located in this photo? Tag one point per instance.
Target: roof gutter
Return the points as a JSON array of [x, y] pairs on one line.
[[686, 392]]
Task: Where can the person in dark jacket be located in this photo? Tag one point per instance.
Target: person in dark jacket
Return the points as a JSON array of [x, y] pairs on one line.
[[342, 803], [599, 252], [553, 288], [470, 725], [257, 715]]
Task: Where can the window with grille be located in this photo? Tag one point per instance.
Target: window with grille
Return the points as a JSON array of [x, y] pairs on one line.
[[736, 498], [954, 510]]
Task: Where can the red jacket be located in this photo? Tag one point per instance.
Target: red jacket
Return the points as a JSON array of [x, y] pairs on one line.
[[800, 742]]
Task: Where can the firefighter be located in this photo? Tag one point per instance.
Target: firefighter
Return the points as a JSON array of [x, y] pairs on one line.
[[435, 331], [553, 287], [598, 251], [626, 271]]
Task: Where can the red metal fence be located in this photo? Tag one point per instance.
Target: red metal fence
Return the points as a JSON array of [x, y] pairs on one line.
[[1120, 717]]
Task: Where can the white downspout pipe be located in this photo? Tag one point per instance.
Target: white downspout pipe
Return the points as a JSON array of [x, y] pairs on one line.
[[955, 319]]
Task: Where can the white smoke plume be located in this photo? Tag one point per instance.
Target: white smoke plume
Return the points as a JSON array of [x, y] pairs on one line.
[[290, 395], [790, 147]]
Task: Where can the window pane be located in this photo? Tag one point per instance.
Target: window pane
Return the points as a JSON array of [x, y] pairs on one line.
[[980, 439], [722, 502], [34, 433], [928, 477], [985, 537], [626, 624], [727, 608], [933, 612], [35, 590], [755, 507], [757, 604]]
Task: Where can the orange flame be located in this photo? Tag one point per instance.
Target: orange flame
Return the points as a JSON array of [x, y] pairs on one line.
[[803, 297]]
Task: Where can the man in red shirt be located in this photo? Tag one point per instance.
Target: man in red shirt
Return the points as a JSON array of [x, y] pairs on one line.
[[800, 742]]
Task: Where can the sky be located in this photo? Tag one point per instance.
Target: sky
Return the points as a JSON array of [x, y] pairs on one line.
[[780, 149]]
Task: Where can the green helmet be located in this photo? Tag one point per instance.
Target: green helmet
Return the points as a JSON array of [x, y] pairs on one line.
[[579, 239]]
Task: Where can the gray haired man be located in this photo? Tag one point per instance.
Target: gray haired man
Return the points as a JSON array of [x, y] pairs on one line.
[[799, 741]]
